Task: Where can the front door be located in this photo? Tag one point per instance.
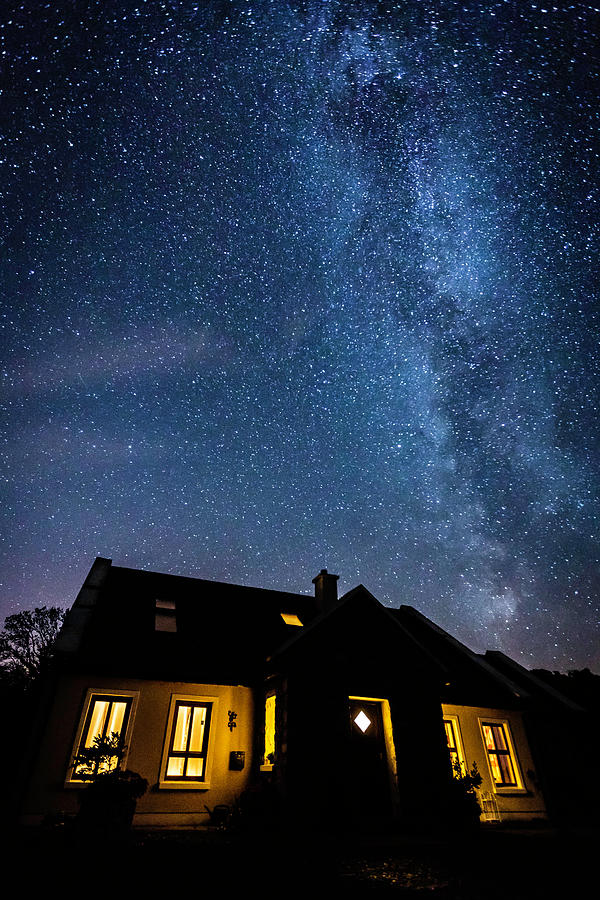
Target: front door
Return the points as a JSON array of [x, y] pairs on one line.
[[369, 773]]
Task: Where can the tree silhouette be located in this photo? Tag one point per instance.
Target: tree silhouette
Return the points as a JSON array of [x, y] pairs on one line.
[[27, 641]]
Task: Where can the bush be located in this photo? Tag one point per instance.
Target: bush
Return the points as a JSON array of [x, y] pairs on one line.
[[464, 808]]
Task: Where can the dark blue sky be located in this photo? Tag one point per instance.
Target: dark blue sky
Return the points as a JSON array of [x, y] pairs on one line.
[[288, 285]]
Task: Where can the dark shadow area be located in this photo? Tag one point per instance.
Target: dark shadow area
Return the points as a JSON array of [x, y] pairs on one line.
[[490, 864]]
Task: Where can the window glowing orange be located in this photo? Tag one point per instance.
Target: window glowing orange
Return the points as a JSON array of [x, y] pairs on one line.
[[454, 748], [499, 754], [270, 706], [291, 619], [189, 741], [106, 718]]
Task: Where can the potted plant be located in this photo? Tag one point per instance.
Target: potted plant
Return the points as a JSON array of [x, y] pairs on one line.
[[109, 799], [463, 802]]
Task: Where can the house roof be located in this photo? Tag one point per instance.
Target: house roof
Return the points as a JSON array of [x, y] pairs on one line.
[[361, 595], [224, 631], [472, 679], [529, 682], [227, 633]]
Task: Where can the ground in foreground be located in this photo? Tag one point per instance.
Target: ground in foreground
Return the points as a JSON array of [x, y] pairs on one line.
[[489, 864]]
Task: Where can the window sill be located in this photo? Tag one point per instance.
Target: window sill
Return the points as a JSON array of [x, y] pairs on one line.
[[266, 768], [184, 785], [511, 791], [77, 784]]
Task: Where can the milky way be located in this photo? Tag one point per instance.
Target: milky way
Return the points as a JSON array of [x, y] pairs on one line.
[[294, 285]]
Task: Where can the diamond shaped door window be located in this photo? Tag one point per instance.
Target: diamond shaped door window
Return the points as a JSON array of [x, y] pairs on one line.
[[362, 720]]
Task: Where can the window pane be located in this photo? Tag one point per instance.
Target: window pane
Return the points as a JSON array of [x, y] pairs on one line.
[[165, 604], [197, 735], [165, 622], [117, 715], [97, 720], [269, 730], [499, 736], [175, 765], [182, 728], [450, 734], [507, 770], [495, 768], [195, 767], [489, 737]]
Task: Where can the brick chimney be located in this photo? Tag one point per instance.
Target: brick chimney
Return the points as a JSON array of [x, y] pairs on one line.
[[325, 590]]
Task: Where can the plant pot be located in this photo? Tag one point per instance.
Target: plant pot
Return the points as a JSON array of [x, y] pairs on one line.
[[109, 802]]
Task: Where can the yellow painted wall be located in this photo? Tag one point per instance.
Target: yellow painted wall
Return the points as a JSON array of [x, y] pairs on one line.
[[48, 792], [522, 803]]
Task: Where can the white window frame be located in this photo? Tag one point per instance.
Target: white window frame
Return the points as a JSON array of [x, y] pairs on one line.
[[91, 695], [189, 784], [519, 787]]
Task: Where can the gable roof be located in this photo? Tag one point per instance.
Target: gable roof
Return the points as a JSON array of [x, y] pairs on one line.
[[227, 633], [359, 595]]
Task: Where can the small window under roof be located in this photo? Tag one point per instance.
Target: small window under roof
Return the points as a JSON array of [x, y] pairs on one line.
[[291, 619], [164, 604], [165, 615]]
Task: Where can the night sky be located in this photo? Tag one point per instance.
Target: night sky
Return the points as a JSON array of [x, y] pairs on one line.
[[292, 285]]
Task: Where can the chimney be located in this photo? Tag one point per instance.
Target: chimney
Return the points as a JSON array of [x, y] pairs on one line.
[[325, 590]]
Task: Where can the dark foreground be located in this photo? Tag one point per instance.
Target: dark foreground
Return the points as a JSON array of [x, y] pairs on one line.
[[486, 865]]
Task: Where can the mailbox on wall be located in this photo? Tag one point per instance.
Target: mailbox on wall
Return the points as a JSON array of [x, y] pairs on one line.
[[237, 760]]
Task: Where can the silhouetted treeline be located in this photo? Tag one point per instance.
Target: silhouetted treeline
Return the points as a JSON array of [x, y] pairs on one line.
[[580, 685]]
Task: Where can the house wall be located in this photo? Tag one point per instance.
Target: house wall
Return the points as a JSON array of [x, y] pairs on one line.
[[514, 803], [49, 789]]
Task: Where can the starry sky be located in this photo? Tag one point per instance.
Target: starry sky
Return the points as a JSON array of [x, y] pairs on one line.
[[291, 285]]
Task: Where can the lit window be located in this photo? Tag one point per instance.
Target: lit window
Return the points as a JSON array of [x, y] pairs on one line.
[[500, 755], [165, 604], [454, 748], [291, 619], [270, 705], [188, 741], [104, 730]]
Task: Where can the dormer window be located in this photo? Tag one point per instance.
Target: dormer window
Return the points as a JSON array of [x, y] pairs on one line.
[[291, 619], [165, 615]]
